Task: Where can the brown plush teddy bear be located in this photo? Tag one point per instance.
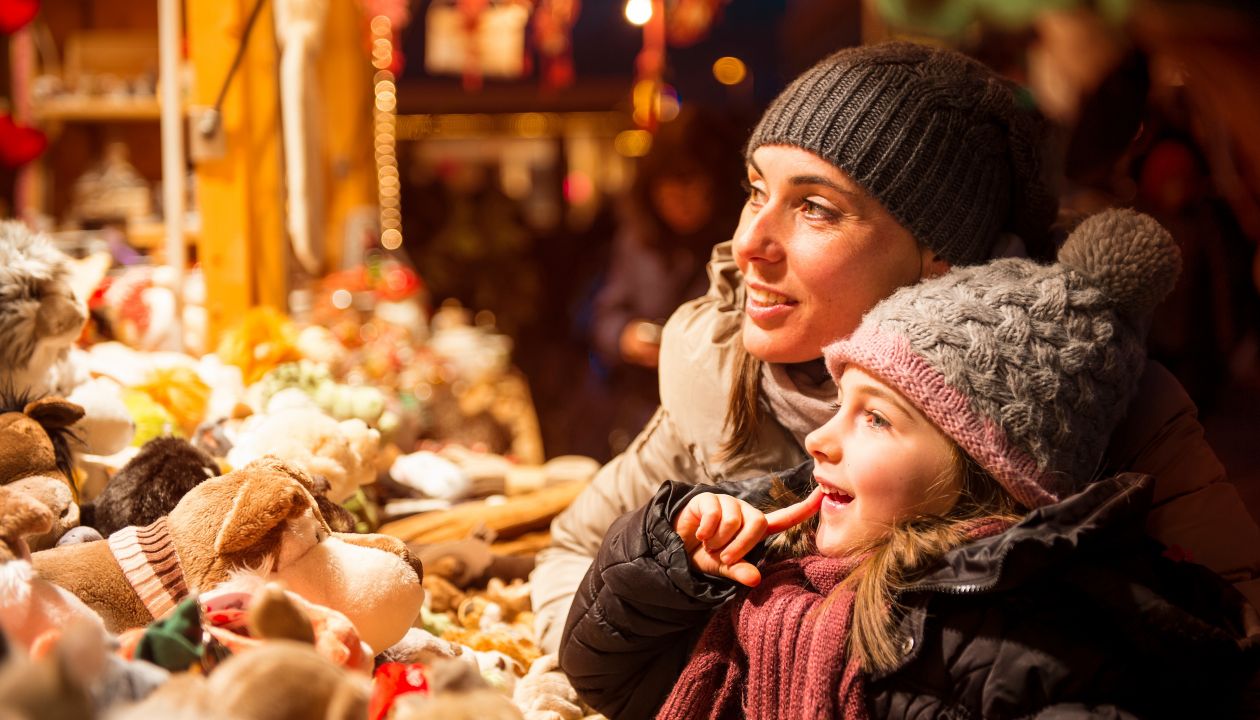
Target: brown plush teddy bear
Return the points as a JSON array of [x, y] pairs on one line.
[[30, 606], [35, 458], [261, 519], [279, 680]]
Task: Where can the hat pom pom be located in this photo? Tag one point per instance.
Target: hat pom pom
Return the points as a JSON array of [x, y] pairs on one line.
[[1131, 257]]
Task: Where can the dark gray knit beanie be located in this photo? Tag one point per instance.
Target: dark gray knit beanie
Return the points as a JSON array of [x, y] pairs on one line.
[[943, 142], [1028, 367]]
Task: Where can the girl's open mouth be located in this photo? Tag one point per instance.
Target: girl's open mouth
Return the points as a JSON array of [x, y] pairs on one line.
[[835, 499]]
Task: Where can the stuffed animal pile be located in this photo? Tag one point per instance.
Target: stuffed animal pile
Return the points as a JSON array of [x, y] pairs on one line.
[[194, 537]]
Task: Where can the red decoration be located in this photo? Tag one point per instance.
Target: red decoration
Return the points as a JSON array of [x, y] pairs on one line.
[[391, 680], [470, 11], [689, 21], [19, 144], [15, 14], [553, 28]]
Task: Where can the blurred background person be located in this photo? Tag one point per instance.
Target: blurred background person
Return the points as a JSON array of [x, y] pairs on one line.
[[684, 200]]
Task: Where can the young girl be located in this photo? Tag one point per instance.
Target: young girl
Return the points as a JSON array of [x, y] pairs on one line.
[[957, 561]]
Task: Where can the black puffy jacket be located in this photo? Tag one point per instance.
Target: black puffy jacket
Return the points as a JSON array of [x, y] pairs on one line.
[[1073, 612]]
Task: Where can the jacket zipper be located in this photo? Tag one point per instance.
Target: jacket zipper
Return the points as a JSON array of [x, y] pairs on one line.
[[968, 588]]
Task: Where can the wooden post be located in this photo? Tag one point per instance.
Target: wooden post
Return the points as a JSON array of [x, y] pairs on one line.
[[240, 195], [345, 79], [173, 168]]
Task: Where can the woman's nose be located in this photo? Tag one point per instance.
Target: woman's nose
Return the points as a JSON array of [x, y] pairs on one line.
[[758, 237]]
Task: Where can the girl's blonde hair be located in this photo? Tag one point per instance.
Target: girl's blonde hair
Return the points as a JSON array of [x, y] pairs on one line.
[[895, 561]]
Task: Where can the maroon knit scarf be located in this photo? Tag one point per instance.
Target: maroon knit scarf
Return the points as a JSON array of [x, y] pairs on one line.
[[780, 650]]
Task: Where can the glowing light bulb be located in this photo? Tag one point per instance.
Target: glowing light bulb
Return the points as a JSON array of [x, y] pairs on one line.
[[729, 70], [638, 12]]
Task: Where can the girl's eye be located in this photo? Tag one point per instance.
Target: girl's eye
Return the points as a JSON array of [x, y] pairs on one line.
[[835, 406], [877, 421]]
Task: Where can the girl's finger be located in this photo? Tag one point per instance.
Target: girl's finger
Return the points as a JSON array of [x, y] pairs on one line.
[[732, 521], [781, 520], [743, 573], [753, 530], [707, 508]]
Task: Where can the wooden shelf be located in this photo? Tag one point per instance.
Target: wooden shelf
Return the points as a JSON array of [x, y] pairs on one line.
[[152, 235], [71, 109]]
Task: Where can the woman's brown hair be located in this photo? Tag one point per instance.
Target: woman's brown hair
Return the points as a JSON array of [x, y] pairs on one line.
[[743, 406]]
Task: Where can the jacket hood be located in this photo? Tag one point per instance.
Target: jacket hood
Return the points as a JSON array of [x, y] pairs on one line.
[[1110, 511]]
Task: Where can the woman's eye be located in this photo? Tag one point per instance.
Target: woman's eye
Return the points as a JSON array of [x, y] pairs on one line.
[[755, 195], [817, 211], [835, 406]]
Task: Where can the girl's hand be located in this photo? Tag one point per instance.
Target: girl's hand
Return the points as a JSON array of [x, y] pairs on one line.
[[719, 530]]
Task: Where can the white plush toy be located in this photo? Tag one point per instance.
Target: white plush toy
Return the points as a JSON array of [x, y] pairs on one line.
[[341, 453], [299, 29]]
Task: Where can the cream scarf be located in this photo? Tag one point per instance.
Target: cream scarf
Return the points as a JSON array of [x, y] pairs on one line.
[[800, 395]]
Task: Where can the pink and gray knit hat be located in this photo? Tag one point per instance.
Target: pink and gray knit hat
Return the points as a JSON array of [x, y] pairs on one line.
[[1028, 367]]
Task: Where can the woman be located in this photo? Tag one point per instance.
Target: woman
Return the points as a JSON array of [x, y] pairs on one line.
[[879, 167]]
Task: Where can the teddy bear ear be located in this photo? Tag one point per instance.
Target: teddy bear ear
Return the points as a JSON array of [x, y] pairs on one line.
[[270, 463], [258, 508], [54, 412]]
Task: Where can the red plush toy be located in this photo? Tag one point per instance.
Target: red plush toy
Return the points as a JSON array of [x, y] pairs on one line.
[[15, 14], [393, 679], [18, 144]]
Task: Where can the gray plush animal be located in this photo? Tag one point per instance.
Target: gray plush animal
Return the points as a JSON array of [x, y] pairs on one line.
[[40, 318]]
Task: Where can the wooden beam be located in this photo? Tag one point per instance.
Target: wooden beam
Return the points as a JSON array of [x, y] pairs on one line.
[[345, 85], [240, 195]]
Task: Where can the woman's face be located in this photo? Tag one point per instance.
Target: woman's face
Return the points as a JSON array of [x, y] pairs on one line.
[[816, 252], [879, 461]]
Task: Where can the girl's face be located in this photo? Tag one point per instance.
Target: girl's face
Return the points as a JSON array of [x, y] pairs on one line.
[[880, 461], [816, 252]]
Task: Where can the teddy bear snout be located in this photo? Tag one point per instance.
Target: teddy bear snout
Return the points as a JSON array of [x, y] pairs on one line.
[[53, 494], [389, 544], [59, 314]]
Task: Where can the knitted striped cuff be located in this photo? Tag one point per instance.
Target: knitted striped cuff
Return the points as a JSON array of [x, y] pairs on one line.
[[149, 562]]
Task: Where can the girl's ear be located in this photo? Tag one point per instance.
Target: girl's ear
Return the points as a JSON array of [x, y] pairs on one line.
[[932, 265]]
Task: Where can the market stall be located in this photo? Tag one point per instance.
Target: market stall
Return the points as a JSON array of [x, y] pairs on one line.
[[298, 305]]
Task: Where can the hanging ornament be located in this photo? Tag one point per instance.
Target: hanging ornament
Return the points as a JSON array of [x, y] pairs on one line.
[[299, 34], [553, 36], [393, 15], [687, 22], [476, 39], [19, 144], [470, 12], [15, 14], [649, 68]]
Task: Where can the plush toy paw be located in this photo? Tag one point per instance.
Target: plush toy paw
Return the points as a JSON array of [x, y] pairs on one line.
[[545, 693]]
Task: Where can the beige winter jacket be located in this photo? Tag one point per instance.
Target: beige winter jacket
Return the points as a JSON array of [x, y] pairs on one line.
[[1195, 509]]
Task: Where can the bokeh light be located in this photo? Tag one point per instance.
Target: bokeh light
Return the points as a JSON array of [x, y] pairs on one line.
[[729, 70]]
